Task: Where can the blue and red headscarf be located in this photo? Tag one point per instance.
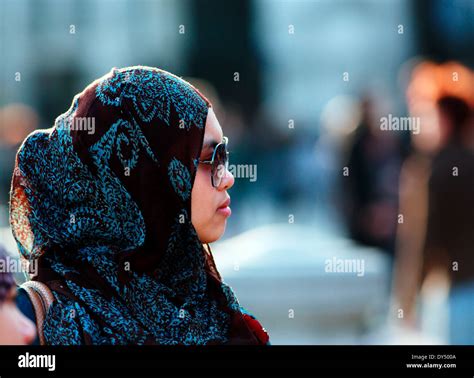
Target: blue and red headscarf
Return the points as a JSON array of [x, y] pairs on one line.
[[103, 201]]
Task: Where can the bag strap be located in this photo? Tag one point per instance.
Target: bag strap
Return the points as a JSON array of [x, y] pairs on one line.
[[42, 298]]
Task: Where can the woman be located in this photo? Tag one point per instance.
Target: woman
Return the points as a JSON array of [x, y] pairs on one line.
[[15, 328], [116, 202]]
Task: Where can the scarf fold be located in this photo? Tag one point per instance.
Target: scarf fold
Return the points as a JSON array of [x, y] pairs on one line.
[[103, 201]]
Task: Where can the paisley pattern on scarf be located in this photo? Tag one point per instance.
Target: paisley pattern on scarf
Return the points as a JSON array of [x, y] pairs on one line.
[[90, 205], [180, 178], [63, 202], [153, 95]]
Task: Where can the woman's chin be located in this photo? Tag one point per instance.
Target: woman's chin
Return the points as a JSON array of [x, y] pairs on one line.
[[214, 235]]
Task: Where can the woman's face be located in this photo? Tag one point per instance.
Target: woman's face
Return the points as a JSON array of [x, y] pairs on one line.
[[209, 211], [15, 328]]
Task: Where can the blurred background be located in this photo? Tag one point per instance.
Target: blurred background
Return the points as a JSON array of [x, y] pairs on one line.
[[344, 230]]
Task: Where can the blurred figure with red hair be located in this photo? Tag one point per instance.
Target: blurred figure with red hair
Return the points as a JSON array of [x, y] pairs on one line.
[[449, 236], [437, 180]]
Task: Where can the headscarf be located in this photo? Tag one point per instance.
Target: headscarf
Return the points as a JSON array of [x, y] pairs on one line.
[[103, 201], [6, 278]]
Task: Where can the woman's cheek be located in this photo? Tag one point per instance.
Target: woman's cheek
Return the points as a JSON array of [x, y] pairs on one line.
[[199, 203]]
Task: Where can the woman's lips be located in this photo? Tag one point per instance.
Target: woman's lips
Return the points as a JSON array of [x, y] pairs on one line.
[[224, 209]]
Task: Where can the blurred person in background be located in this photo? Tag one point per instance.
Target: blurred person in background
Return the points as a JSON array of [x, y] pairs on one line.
[[449, 237], [118, 203], [15, 328], [432, 238], [371, 187], [413, 191], [411, 229]]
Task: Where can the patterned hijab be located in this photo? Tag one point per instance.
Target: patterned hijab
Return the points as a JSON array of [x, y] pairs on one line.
[[103, 201]]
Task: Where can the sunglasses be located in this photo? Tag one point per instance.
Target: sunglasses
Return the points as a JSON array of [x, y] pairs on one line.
[[219, 162]]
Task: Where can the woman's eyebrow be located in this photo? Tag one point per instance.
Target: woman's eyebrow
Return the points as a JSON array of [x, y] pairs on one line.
[[209, 145]]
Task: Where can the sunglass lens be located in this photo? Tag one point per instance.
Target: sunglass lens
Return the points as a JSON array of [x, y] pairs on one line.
[[220, 164]]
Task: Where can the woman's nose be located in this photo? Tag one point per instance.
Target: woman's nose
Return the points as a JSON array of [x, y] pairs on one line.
[[227, 181]]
